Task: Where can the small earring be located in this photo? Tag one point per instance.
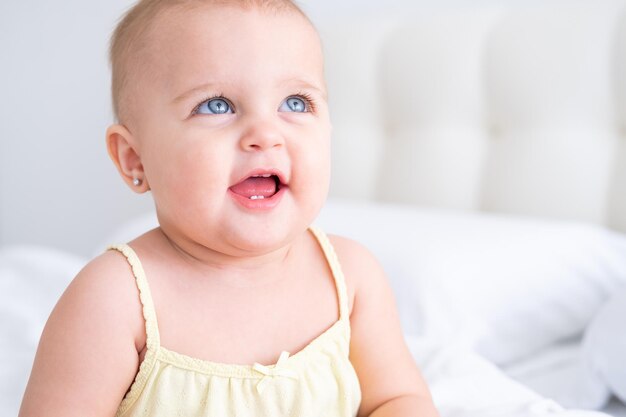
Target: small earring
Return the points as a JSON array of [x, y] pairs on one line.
[[136, 181]]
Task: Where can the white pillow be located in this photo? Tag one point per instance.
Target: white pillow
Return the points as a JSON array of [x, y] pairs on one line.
[[503, 285]]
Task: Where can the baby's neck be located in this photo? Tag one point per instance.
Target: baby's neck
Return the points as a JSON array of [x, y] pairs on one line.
[[240, 269]]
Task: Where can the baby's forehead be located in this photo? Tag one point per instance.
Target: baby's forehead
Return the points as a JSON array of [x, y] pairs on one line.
[[175, 16], [175, 31], [165, 33], [180, 47]]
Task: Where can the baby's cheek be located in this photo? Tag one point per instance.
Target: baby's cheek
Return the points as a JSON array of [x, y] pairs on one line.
[[193, 175], [322, 157], [203, 175], [315, 174]]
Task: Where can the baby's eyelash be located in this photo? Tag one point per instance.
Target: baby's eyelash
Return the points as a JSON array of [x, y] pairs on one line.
[[220, 96], [309, 100]]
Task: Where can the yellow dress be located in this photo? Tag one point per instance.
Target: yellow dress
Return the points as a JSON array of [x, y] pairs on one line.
[[318, 381]]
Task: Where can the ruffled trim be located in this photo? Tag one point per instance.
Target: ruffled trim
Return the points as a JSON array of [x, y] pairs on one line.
[[337, 272], [138, 385], [149, 312], [328, 340], [152, 328]]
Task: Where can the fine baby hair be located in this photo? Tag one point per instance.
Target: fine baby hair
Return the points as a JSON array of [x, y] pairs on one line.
[[236, 304]]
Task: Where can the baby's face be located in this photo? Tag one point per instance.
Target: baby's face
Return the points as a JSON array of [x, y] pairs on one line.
[[232, 127]]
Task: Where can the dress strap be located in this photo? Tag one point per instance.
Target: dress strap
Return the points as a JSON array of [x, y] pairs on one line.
[[335, 268], [149, 313]]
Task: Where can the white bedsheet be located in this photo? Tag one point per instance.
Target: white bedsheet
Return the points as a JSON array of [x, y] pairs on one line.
[[464, 384], [615, 408], [558, 372]]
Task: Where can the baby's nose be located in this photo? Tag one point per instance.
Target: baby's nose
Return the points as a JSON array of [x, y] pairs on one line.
[[261, 136]]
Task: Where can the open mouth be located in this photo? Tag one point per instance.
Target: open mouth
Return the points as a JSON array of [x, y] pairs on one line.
[[258, 187]]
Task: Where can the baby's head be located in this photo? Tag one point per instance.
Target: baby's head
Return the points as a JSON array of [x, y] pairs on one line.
[[223, 115]]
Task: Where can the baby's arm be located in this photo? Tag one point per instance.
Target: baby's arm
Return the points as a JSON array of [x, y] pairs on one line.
[[87, 355], [391, 383]]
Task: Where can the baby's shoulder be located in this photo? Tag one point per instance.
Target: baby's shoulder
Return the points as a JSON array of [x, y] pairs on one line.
[[359, 265], [107, 275], [105, 294], [352, 254]]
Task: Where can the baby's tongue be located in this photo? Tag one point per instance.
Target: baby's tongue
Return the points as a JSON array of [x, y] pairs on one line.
[[259, 186]]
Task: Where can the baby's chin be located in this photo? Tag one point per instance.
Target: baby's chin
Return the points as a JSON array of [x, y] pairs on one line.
[[258, 234], [261, 239]]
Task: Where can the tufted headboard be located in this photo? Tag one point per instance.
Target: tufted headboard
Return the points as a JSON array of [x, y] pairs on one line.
[[518, 109]]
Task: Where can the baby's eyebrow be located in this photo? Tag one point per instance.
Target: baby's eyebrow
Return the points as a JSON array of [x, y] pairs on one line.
[[300, 83], [297, 80], [212, 86], [193, 91]]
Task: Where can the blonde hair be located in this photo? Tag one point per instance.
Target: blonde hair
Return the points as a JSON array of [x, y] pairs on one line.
[[130, 38]]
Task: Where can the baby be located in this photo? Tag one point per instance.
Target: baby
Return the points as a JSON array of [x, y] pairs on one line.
[[235, 305]]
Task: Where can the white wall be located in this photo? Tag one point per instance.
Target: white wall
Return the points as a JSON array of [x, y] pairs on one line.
[[57, 185]]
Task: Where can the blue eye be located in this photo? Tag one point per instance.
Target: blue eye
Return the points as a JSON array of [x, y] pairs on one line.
[[294, 104], [214, 106]]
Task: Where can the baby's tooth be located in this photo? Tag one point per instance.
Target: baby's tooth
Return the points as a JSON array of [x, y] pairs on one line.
[[257, 197]]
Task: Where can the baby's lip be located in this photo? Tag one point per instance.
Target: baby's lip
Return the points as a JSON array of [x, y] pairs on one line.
[[260, 172]]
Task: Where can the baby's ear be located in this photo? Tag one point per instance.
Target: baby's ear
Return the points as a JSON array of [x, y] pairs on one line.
[[123, 152]]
